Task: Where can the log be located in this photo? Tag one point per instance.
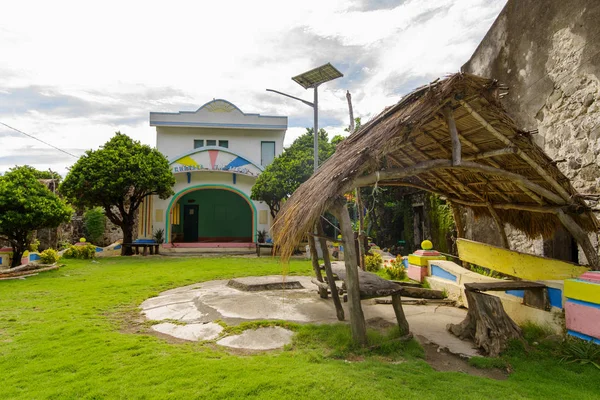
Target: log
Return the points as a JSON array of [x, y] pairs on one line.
[[503, 285], [487, 324], [28, 272], [400, 317], [339, 310]]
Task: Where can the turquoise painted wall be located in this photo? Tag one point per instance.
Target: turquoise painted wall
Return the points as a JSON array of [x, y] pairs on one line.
[[221, 213]]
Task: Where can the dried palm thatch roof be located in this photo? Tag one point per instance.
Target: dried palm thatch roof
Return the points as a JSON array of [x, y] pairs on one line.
[[496, 168]]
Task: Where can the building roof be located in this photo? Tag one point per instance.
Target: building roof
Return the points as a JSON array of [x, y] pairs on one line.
[[218, 113], [501, 170]]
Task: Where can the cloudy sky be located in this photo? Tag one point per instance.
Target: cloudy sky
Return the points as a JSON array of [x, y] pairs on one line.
[[73, 73]]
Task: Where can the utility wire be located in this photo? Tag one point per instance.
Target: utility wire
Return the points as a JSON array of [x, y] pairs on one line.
[[39, 140]]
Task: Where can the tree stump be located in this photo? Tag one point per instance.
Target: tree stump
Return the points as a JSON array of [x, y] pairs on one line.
[[487, 324]]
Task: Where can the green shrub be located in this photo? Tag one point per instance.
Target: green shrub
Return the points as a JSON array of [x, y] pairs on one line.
[[396, 271], [94, 222], [49, 256], [86, 252], [373, 262], [159, 236], [33, 246], [581, 351]]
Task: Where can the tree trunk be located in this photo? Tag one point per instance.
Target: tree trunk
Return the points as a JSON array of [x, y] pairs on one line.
[[18, 250], [127, 229], [315, 264], [399, 311], [357, 318], [487, 324]]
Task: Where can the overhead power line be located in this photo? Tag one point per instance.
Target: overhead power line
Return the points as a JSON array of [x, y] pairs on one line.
[[39, 140]]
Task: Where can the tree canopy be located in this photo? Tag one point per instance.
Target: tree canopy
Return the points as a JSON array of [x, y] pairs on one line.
[[25, 206], [290, 169], [117, 177]]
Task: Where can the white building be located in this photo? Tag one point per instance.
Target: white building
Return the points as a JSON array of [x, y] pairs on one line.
[[216, 154]]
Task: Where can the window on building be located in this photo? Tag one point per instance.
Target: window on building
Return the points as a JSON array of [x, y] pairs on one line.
[[211, 142], [198, 143], [224, 143], [267, 153]]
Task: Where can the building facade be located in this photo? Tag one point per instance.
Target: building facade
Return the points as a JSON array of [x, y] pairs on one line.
[[215, 153]]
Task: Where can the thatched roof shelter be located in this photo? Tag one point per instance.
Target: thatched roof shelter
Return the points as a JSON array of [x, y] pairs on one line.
[[452, 138]]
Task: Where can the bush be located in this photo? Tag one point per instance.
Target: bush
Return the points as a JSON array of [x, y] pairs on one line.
[[94, 223], [396, 270], [159, 236], [373, 262], [86, 252], [49, 256], [33, 246]]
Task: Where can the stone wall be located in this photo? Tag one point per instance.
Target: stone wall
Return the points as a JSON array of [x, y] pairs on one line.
[[548, 53]]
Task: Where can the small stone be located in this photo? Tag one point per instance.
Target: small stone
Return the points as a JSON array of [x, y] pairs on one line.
[[588, 101], [573, 164]]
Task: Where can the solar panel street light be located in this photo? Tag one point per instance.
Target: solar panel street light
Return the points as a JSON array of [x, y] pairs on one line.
[[312, 79]]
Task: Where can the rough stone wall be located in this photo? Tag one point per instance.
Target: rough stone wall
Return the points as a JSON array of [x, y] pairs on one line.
[[548, 53]]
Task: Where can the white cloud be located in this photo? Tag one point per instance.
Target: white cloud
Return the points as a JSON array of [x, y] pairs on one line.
[[104, 66]]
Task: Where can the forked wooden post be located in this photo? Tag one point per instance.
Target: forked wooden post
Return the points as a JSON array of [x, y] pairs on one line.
[[339, 310], [400, 317], [357, 318], [361, 236], [315, 264], [456, 145], [499, 226], [582, 238]]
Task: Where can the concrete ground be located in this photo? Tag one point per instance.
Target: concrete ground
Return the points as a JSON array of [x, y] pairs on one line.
[[196, 306]]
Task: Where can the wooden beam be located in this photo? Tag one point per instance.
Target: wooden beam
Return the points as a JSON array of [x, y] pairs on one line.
[[456, 146], [499, 226], [433, 165], [493, 153], [557, 186], [500, 206], [582, 238], [357, 317]]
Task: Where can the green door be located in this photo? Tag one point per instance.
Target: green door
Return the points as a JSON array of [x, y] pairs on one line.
[[190, 223]]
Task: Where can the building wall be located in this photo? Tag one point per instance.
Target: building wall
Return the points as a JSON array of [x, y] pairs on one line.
[[548, 54], [172, 141]]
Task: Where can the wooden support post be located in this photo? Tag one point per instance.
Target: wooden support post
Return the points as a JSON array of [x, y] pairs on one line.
[[456, 146], [339, 310], [357, 318], [582, 238], [460, 228], [400, 317], [315, 264], [499, 226], [361, 235]]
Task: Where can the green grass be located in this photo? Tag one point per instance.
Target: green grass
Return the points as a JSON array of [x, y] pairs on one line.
[[66, 335]]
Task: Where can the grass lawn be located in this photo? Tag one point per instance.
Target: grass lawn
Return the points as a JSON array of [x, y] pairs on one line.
[[62, 336]]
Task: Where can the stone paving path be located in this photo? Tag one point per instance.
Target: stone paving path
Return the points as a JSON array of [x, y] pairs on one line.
[[197, 306]]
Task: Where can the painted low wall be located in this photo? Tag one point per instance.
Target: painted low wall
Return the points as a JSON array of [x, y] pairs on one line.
[[451, 277], [582, 307]]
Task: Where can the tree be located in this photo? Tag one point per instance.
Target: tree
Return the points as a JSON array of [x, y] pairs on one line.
[[25, 206], [283, 176], [117, 177]]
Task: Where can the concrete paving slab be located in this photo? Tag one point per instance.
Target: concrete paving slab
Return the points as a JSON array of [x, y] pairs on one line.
[[259, 283], [194, 332], [260, 339], [209, 301]]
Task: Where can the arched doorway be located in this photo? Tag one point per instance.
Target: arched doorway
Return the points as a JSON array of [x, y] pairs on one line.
[[212, 215]]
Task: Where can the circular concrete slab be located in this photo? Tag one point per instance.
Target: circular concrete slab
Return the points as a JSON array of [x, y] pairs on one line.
[[259, 339], [192, 332]]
